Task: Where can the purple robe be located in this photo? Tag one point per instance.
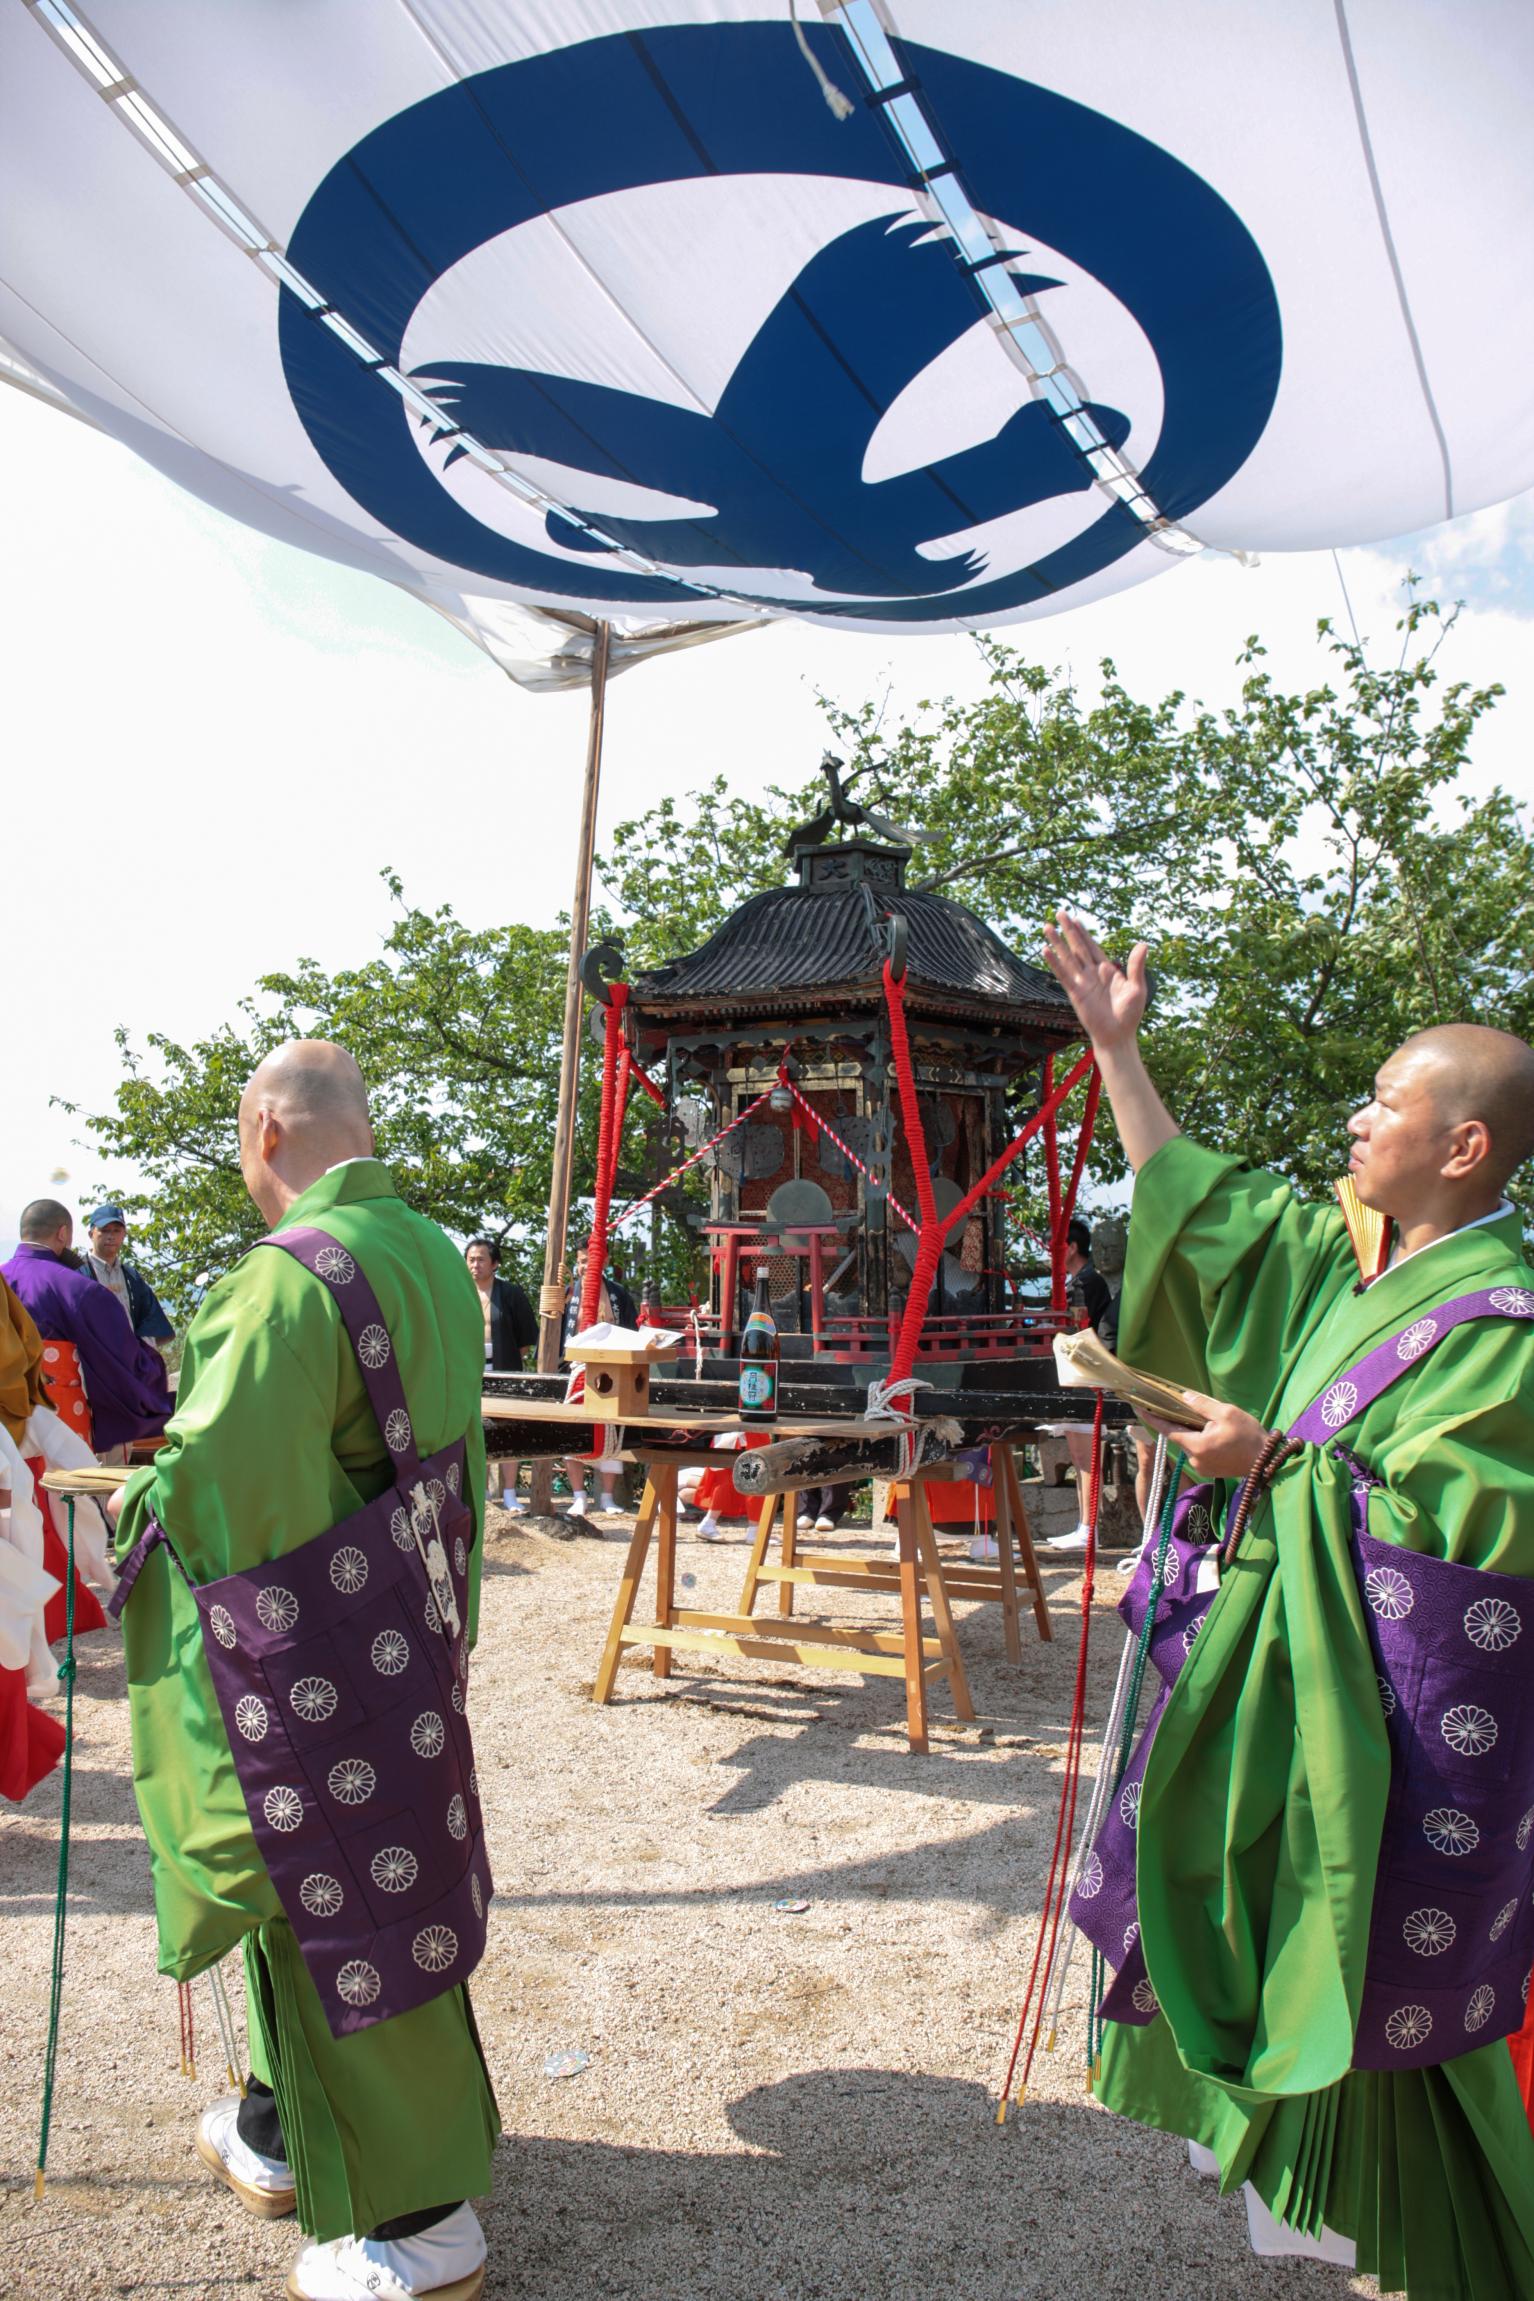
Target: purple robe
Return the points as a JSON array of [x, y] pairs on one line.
[[124, 1378]]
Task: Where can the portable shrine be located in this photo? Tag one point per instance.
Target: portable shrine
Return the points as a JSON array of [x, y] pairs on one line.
[[850, 1056], [857, 1062]]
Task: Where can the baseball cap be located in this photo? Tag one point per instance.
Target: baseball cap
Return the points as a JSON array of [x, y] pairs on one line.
[[106, 1214]]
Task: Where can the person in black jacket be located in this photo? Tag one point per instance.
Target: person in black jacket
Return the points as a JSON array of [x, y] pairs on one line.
[[510, 1328]]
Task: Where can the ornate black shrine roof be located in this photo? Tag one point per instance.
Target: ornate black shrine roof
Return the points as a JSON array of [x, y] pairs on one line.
[[822, 943]]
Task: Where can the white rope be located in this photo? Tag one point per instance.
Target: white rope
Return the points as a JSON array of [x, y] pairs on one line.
[[840, 107], [883, 1407], [233, 2060]]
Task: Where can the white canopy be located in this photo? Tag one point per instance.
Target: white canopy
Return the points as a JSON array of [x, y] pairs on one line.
[[679, 315]]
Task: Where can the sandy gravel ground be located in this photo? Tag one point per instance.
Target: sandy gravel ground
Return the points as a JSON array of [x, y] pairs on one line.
[[777, 2107]]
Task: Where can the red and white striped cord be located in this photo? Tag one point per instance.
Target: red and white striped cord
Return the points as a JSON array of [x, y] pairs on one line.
[[677, 1172], [867, 1173]]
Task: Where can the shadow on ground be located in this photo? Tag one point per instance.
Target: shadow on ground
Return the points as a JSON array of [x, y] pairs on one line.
[[871, 2183]]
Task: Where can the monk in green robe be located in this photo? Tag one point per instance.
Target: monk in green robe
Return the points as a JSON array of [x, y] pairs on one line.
[[376, 2137], [1263, 1801]]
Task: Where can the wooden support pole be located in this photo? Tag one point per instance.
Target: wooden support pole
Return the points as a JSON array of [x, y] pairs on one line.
[[552, 1297]]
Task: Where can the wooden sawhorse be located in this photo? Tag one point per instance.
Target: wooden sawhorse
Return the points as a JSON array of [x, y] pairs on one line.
[[909, 1653], [1016, 1567]]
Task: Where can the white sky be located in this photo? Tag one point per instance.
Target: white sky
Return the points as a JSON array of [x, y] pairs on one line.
[[216, 744]]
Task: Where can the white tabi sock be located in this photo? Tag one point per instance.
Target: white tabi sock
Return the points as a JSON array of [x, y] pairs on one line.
[[1270, 2238], [252, 2176], [450, 2256]]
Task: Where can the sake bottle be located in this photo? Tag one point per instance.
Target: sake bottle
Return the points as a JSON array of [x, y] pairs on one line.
[[759, 1358]]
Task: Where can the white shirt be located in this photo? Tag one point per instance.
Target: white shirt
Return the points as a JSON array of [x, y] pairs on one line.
[[112, 1278]]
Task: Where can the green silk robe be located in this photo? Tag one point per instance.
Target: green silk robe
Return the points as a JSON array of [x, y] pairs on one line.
[[1264, 1799], [273, 1441]]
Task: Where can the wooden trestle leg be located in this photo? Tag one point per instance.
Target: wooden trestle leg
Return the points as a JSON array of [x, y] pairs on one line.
[[770, 1505], [663, 1479], [910, 1623], [1001, 1504], [788, 1548], [628, 1591], [937, 1598], [1024, 1536]]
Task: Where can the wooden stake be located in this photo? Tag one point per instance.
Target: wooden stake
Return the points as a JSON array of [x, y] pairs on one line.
[[551, 1299]]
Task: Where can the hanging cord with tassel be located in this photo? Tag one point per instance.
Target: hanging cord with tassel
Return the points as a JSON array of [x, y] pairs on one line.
[[1103, 1786], [61, 1888], [1126, 1739], [1065, 1820], [188, 2063], [223, 2013]]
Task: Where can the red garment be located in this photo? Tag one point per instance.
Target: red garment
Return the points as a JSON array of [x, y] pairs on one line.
[[31, 1743], [717, 1490], [66, 1386], [88, 1614], [1522, 2047], [951, 1502]]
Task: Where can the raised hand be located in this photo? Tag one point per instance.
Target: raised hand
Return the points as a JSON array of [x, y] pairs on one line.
[[1109, 999]]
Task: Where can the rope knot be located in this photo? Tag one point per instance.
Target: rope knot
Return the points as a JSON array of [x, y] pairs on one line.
[[889, 1400]]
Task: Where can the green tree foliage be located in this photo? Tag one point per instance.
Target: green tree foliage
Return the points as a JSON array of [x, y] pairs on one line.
[[458, 1035], [1312, 881]]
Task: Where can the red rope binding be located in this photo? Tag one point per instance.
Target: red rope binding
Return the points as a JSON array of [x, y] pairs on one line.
[[1065, 1820], [1052, 1179], [609, 1137], [935, 1230]]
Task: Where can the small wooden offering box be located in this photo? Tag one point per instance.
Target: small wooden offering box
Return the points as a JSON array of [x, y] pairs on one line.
[[617, 1380]]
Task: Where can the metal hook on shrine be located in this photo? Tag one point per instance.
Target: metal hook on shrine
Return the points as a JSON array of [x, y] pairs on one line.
[[601, 967], [896, 941]]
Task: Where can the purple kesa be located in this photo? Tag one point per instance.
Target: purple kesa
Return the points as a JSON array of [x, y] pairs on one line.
[[340, 1670], [1452, 1934]]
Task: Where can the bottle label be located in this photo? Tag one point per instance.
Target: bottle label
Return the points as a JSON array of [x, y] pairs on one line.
[[758, 1385]]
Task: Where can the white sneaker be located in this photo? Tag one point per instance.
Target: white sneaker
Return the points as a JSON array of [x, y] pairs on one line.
[[577, 1507], [445, 2263], [825, 1525], [708, 1527], [263, 2185], [611, 1505], [804, 1522], [1077, 1539], [983, 1550]]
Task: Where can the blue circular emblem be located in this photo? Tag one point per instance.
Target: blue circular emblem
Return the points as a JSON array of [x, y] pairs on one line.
[[771, 495]]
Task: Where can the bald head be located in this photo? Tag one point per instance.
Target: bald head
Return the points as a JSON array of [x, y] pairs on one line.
[[42, 1220], [304, 1110], [1476, 1073], [1450, 1120], [312, 1085]]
